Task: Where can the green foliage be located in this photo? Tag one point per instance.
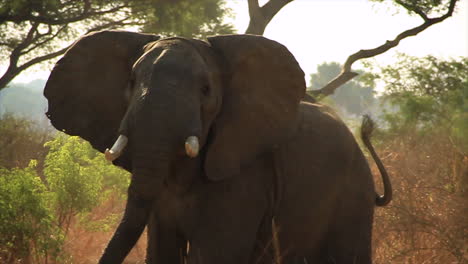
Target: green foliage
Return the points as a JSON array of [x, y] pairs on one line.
[[187, 18], [27, 228], [77, 174], [74, 186], [428, 7], [354, 97], [431, 94], [39, 205], [33, 32]]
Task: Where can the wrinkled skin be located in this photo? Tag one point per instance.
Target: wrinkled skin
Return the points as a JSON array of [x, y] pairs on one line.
[[265, 157]]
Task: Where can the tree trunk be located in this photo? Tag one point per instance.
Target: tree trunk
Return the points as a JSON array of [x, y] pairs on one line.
[[7, 77], [261, 16], [256, 26]]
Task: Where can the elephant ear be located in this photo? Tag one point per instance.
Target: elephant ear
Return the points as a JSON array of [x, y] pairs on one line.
[[264, 84], [86, 89]]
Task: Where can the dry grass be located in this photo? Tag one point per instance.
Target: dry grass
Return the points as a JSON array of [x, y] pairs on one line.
[[427, 221], [85, 246]]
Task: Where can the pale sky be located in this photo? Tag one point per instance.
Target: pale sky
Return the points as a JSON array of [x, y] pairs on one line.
[[316, 31]]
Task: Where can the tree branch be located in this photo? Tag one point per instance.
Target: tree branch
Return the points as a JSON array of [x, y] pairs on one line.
[[13, 69], [254, 8], [346, 73], [47, 39], [86, 13], [42, 58], [16, 52], [272, 7], [261, 16]]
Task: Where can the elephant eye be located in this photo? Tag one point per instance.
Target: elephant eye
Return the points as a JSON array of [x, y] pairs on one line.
[[206, 90]]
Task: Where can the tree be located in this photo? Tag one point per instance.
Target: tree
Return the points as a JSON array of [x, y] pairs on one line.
[[425, 9], [21, 140], [431, 94], [261, 16], [33, 32], [354, 97], [426, 147], [77, 175]]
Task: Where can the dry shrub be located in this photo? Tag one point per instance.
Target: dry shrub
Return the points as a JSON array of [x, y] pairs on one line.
[[21, 140], [85, 243], [427, 221]]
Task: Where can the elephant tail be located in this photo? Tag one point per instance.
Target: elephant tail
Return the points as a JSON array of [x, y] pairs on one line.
[[367, 127]]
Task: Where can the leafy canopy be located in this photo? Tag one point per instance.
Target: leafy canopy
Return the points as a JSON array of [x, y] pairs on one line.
[[427, 8], [26, 221], [34, 31], [430, 93]]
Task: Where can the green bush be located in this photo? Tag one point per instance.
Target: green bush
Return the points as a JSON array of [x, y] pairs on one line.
[[27, 229], [79, 177], [430, 95]]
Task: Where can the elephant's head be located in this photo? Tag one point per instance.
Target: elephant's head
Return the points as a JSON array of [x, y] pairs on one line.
[[226, 100]]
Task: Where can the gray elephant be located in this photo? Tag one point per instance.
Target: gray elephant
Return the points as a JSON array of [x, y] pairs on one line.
[[224, 154]]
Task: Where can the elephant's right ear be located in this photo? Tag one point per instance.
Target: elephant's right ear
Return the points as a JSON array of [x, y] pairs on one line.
[[86, 88]]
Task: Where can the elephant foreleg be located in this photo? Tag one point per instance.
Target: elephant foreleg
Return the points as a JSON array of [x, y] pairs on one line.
[[165, 245]]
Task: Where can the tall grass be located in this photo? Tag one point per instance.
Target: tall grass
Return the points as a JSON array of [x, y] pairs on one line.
[[427, 221]]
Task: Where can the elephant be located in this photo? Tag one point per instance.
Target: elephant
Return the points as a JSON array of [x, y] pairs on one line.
[[230, 160]]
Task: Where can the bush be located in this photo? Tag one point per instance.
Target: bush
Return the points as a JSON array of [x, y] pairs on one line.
[[21, 140], [27, 229]]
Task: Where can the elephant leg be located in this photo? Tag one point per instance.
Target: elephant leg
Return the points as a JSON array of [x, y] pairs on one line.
[[165, 245], [351, 237], [226, 232], [151, 247], [218, 246]]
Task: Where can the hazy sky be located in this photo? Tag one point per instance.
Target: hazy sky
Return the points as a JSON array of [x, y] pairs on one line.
[[330, 30], [316, 31]]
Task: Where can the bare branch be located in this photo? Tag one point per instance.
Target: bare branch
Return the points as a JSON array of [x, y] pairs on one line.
[[16, 52], [48, 39], [13, 70], [330, 88], [42, 58], [254, 8], [261, 16], [272, 7], [346, 73]]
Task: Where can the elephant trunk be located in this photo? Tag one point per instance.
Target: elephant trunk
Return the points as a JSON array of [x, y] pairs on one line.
[[129, 230], [163, 126], [146, 183]]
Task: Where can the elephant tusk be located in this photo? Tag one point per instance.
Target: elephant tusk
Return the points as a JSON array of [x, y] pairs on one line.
[[116, 149], [192, 146]]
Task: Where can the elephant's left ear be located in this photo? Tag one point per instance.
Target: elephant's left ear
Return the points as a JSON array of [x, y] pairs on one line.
[[260, 102], [86, 89]]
